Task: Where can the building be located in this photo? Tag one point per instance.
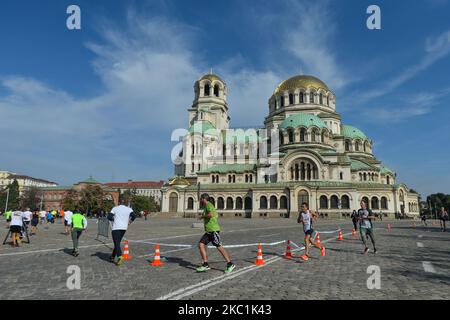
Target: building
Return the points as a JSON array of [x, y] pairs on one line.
[[141, 188], [25, 182], [302, 153], [54, 196]]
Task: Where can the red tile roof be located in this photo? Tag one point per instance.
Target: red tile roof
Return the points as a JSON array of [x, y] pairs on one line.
[[136, 184]]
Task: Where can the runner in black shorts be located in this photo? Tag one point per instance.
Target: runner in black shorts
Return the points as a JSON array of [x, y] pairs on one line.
[[212, 230]]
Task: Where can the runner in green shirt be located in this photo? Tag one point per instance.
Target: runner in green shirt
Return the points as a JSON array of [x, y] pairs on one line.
[[212, 230], [79, 224], [8, 218]]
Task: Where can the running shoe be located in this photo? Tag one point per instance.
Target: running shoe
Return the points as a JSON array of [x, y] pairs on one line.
[[230, 268], [204, 268], [304, 257], [366, 250], [18, 241], [323, 251], [120, 261], [111, 259], [76, 253]]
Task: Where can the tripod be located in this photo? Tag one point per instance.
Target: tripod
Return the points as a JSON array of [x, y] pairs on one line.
[[24, 230]]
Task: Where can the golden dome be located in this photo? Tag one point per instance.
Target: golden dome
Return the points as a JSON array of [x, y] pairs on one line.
[[301, 81], [210, 77]]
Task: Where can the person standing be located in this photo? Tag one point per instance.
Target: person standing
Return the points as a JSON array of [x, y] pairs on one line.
[[78, 222], [365, 216], [67, 218], [27, 218], [443, 216], [42, 214], [424, 219], [354, 217], [121, 217], [212, 234], [16, 226], [306, 218]]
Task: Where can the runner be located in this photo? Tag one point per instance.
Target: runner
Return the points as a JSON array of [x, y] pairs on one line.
[[61, 216], [49, 218], [212, 230], [8, 218], [43, 214], [78, 222], [121, 217], [354, 217], [443, 216], [67, 218], [365, 216], [424, 219], [34, 223], [27, 218], [16, 226], [305, 217]]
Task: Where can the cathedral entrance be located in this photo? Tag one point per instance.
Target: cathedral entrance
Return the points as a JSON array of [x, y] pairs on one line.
[[248, 206], [173, 202], [302, 196]]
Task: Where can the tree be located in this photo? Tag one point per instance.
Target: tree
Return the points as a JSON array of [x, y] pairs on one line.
[[14, 197], [70, 201], [438, 200], [91, 199], [31, 198]]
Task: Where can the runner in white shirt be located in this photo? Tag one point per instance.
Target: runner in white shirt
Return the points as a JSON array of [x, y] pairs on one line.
[[305, 217], [16, 225], [27, 217], [67, 221], [43, 213], [121, 216]]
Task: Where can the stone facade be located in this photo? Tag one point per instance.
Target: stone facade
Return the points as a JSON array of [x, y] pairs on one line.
[[303, 153]]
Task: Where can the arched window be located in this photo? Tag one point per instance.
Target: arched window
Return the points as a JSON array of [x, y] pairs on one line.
[[229, 178], [328, 100], [282, 101], [246, 178], [347, 145], [207, 90], [375, 204], [251, 178], [302, 135], [281, 137], [384, 203], [302, 97], [313, 136], [357, 145], [229, 203], [220, 203], [291, 135], [323, 202], [213, 201], [213, 179], [365, 176], [291, 99], [190, 204], [334, 202], [311, 97], [273, 202], [283, 202], [388, 180], [234, 178], [216, 90], [238, 203], [321, 98], [345, 202], [263, 202]]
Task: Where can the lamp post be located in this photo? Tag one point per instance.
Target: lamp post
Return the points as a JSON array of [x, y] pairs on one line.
[[7, 199]]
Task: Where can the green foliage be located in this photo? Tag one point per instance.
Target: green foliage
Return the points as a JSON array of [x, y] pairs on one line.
[[31, 198], [439, 200], [14, 198], [70, 201]]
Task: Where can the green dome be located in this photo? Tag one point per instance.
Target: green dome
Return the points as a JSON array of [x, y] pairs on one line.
[[302, 120], [203, 127], [352, 132]]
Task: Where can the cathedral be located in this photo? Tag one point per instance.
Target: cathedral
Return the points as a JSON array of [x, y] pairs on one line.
[[302, 153]]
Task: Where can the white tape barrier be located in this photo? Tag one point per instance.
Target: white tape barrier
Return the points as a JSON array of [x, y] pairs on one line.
[[163, 244], [328, 232], [251, 244]]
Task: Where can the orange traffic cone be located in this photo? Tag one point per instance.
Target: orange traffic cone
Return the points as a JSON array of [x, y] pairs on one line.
[[259, 260], [288, 254], [126, 252], [354, 232], [318, 238], [340, 238], [157, 261]]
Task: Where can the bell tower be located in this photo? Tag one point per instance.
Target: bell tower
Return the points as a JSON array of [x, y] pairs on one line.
[[210, 103]]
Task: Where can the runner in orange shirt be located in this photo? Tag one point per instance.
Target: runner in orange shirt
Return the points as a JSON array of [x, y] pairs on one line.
[[61, 216]]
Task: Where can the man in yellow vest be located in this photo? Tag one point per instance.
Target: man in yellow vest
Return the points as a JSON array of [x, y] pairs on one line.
[[79, 224], [8, 218]]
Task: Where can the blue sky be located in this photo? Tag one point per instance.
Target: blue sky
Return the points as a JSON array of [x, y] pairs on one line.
[[104, 100]]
